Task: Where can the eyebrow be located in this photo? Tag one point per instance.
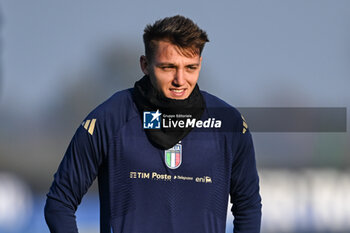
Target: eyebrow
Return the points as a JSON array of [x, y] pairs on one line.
[[172, 64]]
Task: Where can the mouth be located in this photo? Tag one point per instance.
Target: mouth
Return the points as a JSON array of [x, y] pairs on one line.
[[177, 92]]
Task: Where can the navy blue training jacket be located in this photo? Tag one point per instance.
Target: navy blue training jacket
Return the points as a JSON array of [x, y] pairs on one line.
[[139, 193]]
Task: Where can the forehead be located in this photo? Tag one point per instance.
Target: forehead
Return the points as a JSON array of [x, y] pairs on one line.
[[166, 52]]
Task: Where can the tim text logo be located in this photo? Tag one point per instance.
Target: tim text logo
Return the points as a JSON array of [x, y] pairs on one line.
[[151, 120]]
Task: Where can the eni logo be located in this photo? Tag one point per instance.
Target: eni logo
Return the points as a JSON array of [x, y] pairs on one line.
[[204, 179]]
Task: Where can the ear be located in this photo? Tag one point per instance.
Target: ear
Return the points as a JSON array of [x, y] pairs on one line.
[[144, 64]]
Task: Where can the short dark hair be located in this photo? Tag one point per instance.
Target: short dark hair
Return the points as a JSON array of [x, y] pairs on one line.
[[178, 30]]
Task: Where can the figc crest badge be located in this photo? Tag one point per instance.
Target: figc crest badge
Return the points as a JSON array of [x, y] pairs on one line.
[[173, 156]]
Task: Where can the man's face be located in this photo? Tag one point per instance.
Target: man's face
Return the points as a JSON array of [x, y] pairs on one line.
[[171, 72]]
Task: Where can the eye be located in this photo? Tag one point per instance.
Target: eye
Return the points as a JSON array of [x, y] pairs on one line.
[[192, 68], [167, 67]]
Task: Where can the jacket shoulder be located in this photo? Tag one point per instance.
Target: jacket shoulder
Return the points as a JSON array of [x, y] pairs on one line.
[[220, 109], [112, 114], [120, 104], [214, 102]]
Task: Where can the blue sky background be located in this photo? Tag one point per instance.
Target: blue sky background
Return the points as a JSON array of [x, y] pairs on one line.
[[262, 53]]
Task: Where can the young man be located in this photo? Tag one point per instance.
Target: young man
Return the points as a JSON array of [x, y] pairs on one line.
[[167, 155]]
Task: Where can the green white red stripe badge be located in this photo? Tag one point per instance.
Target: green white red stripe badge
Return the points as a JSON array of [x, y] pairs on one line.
[[173, 156]]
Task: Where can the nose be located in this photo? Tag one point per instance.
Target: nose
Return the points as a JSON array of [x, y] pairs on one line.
[[179, 78]]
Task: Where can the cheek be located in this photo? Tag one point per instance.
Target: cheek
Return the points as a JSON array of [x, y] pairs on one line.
[[193, 80], [162, 79]]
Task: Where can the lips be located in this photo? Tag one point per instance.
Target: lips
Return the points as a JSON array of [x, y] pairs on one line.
[[178, 92]]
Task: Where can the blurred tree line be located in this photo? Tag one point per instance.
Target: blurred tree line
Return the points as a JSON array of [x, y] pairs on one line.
[[33, 147]]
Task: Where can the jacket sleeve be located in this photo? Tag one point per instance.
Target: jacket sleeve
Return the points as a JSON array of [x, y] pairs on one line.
[[244, 190], [75, 174]]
